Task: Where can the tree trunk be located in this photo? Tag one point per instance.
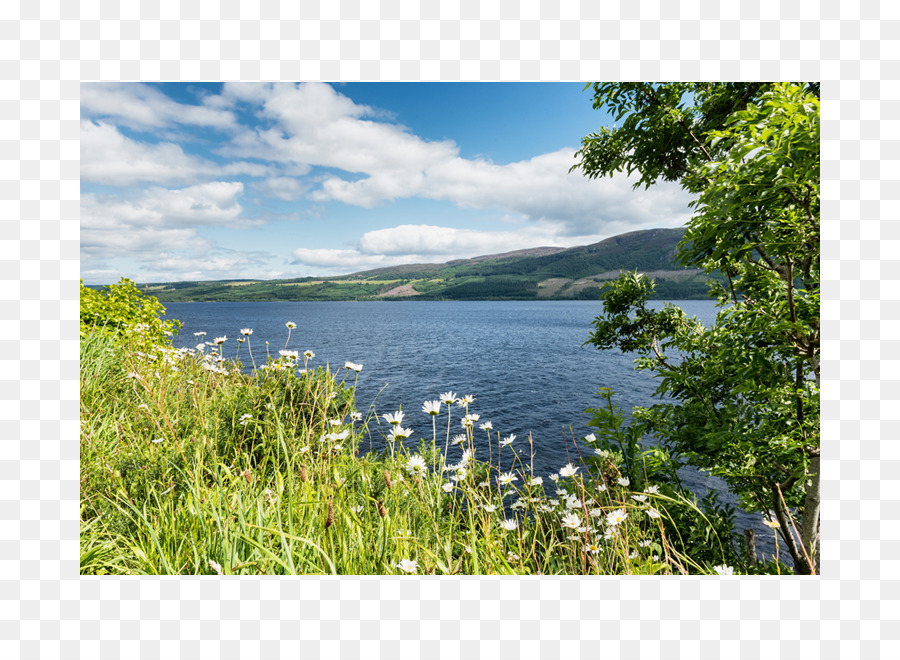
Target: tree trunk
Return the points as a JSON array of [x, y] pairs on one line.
[[809, 525]]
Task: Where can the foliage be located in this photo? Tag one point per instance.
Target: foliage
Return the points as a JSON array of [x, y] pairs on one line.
[[702, 530], [122, 308], [743, 395]]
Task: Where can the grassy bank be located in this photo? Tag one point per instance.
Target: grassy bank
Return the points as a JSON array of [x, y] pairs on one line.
[[189, 467]]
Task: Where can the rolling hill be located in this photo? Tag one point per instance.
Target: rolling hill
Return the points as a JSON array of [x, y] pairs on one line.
[[540, 273]]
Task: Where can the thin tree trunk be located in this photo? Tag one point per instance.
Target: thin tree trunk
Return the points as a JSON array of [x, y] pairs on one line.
[[809, 525]]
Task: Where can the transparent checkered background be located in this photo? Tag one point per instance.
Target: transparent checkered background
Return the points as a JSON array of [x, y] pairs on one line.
[[47, 610]]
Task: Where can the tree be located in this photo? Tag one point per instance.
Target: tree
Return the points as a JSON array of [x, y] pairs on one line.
[[740, 399]]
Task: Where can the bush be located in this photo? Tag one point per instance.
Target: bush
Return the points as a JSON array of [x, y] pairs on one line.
[[123, 308]]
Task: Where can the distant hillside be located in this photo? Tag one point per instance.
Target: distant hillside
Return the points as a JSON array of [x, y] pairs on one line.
[[540, 273]]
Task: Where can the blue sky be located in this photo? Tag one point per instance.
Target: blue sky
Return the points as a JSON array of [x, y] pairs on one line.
[[209, 181]]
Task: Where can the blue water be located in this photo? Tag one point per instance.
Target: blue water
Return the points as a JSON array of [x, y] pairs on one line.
[[524, 361]]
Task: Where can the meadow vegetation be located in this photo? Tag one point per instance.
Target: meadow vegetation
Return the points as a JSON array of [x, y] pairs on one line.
[[189, 466]]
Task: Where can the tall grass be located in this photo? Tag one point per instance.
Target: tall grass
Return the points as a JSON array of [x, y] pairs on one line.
[[189, 466]]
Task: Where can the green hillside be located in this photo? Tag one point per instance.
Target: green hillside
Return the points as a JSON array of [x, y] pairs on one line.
[[544, 273]]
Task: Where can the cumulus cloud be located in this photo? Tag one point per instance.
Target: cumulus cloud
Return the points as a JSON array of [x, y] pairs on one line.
[[283, 187], [314, 125], [144, 107], [155, 222], [111, 158], [407, 244]]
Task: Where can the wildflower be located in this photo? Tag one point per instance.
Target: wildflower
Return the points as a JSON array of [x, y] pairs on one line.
[[602, 453], [623, 481], [432, 408], [218, 341], [447, 487], [467, 399], [644, 544], [156, 441], [401, 433], [615, 517], [132, 374], [290, 325], [508, 440], [289, 354], [352, 366], [467, 456], [568, 471], [395, 419], [601, 488], [460, 474], [554, 477], [590, 437], [469, 420], [199, 334], [593, 548], [356, 416], [490, 508], [724, 570], [408, 565], [269, 494], [639, 498], [448, 397], [484, 484], [335, 422], [416, 464], [245, 419], [595, 513], [216, 566], [303, 450], [571, 520], [246, 332], [511, 556], [507, 478], [774, 524], [653, 513], [510, 524], [487, 426], [536, 481], [653, 490], [518, 504], [458, 439], [572, 502], [309, 355], [144, 406]]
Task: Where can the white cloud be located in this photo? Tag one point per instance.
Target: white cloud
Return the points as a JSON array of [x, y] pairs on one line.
[[282, 187], [313, 124], [155, 222], [447, 242], [206, 203], [111, 158], [408, 244], [143, 107], [317, 126]]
